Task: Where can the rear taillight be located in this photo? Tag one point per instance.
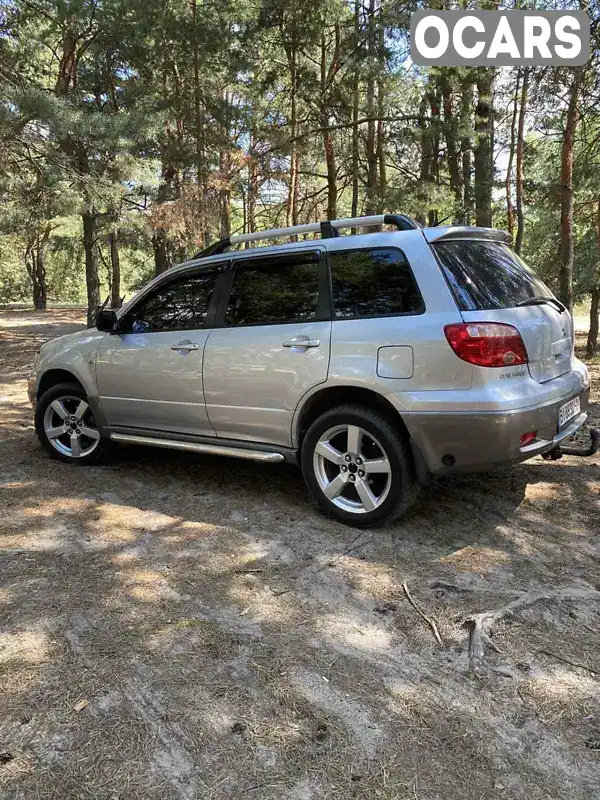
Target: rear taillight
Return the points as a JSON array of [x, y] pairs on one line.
[[487, 344]]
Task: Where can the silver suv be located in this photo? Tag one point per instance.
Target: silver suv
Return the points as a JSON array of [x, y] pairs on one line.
[[375, 360]]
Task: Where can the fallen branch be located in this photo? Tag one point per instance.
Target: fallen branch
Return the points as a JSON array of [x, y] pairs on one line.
[[482, 625], [423, 616], [571, 663]]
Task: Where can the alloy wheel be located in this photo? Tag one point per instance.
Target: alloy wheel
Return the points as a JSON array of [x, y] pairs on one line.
[[352, 469], [70, 428]]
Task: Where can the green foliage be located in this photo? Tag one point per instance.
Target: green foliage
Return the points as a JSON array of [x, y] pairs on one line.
[[174, 122]]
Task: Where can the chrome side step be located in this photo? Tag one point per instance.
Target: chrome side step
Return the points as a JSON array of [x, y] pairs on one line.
[[199, 447]]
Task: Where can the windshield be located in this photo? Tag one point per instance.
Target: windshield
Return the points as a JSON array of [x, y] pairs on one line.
[[487, 275]]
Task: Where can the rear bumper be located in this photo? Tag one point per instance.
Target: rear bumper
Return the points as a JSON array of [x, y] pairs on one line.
[[472, 442]]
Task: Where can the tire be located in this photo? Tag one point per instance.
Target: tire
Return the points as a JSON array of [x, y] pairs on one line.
[[53, 405], [384, 484]]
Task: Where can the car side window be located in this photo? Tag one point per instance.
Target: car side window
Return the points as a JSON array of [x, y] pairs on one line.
[[263, 294], [179, 305], [373, 283]]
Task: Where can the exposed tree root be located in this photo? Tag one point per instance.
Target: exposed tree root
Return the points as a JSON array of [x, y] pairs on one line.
[[482, 625], [423, 616]]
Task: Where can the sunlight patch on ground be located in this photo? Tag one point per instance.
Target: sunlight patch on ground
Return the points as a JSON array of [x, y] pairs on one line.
[[479, 560], [354, 632], [31, 646]]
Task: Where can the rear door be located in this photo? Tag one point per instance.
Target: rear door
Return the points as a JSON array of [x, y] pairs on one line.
[[491, 283], [269, 346]]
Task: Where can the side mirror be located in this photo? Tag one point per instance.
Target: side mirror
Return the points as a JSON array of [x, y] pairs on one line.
[[106, 320]]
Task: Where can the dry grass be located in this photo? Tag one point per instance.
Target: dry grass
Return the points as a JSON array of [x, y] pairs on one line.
[[177, 627]]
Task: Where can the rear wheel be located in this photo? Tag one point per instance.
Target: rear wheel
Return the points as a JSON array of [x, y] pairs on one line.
[[358, 466], [66, 427]]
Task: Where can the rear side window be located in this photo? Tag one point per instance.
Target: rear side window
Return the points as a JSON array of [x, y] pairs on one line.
[[373, 283], [180, 305], [268, 294], [487, 275]]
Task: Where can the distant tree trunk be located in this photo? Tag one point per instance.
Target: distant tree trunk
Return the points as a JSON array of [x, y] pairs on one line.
[[328, 146], [592, 340], [115, 286], [510, 209], [161, 257], [521, 162], [453, 154], [35, 260], [565, 270], [484, 147], [90, 224], [466, 146]]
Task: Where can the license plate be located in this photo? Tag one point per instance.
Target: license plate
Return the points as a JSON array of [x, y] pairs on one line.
[[568, 411]]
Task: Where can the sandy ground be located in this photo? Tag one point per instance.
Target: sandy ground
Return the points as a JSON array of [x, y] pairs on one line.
[[183, 627]]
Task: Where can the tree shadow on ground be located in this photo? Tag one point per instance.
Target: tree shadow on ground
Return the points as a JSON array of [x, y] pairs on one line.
[[174, 626]]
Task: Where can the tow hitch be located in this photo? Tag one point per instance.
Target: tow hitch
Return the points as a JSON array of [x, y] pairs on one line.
[[564, 450]]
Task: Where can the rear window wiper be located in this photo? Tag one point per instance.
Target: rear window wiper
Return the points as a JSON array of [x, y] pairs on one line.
[[543, 301]]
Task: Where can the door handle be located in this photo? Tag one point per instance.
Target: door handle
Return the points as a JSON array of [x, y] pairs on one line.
[[302, 341], [185, 346]]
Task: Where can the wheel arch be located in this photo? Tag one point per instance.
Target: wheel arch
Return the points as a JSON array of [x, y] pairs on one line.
[[331, 396], [53, 377]]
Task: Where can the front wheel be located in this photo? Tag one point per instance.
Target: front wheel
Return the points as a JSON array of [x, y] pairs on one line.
[[65, 425], [358, 466]]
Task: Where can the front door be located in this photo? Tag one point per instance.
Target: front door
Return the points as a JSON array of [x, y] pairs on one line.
[[150, 373], [270, 346]]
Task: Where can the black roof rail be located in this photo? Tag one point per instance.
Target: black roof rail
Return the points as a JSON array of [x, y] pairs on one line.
[[214, 249], [328, 230], [401, 221]]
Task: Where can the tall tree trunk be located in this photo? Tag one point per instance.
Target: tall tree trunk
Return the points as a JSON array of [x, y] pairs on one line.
[[328, 145], [115, 270], [92, 281], [252, 188], [484, 147], [198, 125], [426, 165], [451, 136], [355, 110], [67, 67], [434, 102], [161, 257], [510, 209], [466, 146], [371, 144], [381, 154], [291, 212], [521, 162], [225, 170], [592, 339], [565, 270]]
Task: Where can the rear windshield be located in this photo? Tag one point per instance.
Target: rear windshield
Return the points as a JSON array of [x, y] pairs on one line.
[[486, 275]]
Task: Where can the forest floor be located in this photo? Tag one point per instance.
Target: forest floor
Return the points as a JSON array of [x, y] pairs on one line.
[[175, 627]]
